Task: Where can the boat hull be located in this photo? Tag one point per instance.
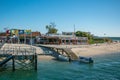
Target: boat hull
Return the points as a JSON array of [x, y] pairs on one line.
[[85, 59]]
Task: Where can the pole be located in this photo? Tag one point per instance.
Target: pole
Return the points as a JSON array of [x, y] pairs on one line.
[[13, 64], [24, 39], [74, 34], [74, 30], [31, 38], [104, 37], [18, 38], [35, 61]]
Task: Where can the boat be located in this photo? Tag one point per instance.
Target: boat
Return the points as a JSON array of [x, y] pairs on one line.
[[85, 59], [63, 58]]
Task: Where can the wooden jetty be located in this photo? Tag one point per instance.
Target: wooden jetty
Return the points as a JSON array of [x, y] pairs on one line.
[[7, 58], [69, 52], [22, 57], [63, 51]]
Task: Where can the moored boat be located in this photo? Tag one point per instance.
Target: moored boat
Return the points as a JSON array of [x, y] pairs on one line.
[[63, 58], [85, 59]]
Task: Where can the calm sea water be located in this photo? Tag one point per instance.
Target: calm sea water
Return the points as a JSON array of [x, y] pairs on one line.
[[106, 67], [115, 38]]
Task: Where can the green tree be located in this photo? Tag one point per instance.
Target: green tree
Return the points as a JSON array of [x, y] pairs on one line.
[[51, 28], [85, 34], [79, 33]]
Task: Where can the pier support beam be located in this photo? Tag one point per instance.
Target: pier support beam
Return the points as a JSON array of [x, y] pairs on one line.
[[62, 51], [35, 61], [13, 64], [57, 50]]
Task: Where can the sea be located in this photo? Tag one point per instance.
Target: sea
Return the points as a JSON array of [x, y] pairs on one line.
[[105, 67], [114, 38]]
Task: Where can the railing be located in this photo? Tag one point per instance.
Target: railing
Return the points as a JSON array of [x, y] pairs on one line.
[[18, 50], [25, 57], [1, 44]]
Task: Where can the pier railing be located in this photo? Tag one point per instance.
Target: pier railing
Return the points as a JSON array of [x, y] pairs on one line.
[[24, 57], [18, 50]]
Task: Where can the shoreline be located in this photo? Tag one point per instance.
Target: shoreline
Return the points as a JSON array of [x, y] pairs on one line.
[[93, 50], [79, 50]]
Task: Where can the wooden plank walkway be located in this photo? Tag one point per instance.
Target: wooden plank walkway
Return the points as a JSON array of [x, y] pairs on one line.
[[70, 53], [22, 57]]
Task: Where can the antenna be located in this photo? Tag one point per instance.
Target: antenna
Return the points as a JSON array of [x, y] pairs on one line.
[[75, 35], [74, 30]]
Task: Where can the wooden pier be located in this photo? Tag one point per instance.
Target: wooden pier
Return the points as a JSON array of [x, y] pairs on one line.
[[20, 57], [67, 52]]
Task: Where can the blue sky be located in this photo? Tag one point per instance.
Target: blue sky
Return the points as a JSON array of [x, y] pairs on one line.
[[95, 16]]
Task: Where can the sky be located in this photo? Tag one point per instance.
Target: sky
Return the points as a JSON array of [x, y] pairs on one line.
[[100, 17]]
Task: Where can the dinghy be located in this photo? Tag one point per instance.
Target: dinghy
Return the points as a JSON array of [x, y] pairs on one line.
[[63, 58], [85, 59]]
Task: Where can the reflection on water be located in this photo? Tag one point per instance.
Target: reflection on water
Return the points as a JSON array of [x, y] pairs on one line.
[[18, 75]]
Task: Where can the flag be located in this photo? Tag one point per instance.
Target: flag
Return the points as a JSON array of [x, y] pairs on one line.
[[8, 32], [21, 31], [28, 31], [14, 31]]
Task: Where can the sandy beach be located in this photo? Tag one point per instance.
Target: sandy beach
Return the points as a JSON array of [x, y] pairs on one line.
[[92, 50]]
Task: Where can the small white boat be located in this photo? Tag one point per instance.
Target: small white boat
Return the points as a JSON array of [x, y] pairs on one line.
[[85, 59], [63, 58]]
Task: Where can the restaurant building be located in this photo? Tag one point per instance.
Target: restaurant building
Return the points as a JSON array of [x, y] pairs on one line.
[[66, 38], [3, 37]]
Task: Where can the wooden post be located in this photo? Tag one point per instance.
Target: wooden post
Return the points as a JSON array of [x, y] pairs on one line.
[[13, 64], [35, 61], [57, 50], [69, 58], [80, 41], [62, 51]]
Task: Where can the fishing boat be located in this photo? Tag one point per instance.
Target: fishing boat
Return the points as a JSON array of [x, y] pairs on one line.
[[85, 59]]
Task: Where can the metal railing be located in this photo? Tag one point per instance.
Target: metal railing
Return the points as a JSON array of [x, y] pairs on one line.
[[18, 50]]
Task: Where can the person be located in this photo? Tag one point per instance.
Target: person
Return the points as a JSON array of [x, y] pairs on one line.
[[69, 59], [90, 60]]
